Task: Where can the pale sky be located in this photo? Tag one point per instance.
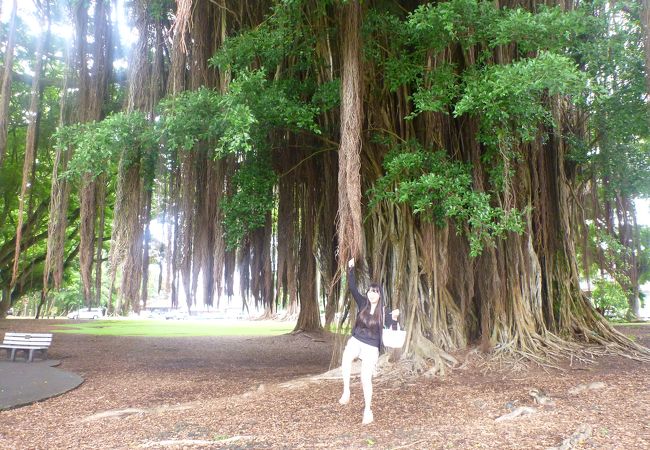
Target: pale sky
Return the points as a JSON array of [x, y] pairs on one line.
[[643, 211], [26, 9]]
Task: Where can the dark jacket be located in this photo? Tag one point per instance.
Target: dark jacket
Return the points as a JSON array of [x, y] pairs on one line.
[[367, 335]]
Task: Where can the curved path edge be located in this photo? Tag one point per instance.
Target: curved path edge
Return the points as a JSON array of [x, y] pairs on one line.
[[23, 383]]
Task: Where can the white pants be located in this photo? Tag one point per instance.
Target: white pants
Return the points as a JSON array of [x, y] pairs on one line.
[[368, 355]]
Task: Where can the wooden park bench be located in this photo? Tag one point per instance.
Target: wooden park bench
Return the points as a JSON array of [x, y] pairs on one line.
[[27, 342]]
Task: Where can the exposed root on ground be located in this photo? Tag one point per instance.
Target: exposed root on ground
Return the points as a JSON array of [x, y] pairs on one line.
[[120, 413], [315, 336], [289, 317], [587, 387], [268, 315], [521, 411], [549, 350], [183, 443]]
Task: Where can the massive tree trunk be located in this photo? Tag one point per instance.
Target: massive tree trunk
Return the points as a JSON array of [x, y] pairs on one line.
[[520, 297], [5, 89]]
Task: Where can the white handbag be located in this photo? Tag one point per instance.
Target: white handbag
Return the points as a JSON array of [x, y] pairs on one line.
[[393, 338]]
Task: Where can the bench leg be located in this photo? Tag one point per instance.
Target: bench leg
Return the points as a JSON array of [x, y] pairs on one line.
[[27, 354], [43, 353]]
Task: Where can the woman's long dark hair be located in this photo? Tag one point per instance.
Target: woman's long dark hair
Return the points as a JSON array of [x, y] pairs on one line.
[[372, 321]]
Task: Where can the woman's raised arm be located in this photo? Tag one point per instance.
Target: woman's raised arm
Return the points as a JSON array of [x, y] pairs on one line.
[[352, 284]]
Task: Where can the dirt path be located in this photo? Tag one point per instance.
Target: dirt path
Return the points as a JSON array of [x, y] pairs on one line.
[[230, 393]]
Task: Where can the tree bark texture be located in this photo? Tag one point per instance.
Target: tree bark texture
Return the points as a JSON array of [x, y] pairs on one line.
[[350, 230]]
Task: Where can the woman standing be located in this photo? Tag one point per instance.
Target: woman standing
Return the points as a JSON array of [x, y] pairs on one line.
[[365, 340]]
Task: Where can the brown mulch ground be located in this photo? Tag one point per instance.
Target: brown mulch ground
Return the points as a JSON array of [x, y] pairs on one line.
[[230, 393]]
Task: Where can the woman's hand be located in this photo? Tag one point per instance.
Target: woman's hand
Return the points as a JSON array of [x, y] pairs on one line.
[[395, 314], [351, 263]]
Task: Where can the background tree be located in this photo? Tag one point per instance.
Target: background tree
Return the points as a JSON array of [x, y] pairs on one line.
[[32, 132], [613, 161], [5, 89]]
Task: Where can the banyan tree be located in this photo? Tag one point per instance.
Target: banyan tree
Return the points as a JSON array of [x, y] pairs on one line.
[[457, 148]]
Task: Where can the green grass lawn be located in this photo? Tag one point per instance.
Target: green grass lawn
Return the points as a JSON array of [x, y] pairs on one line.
[[175, 328]]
